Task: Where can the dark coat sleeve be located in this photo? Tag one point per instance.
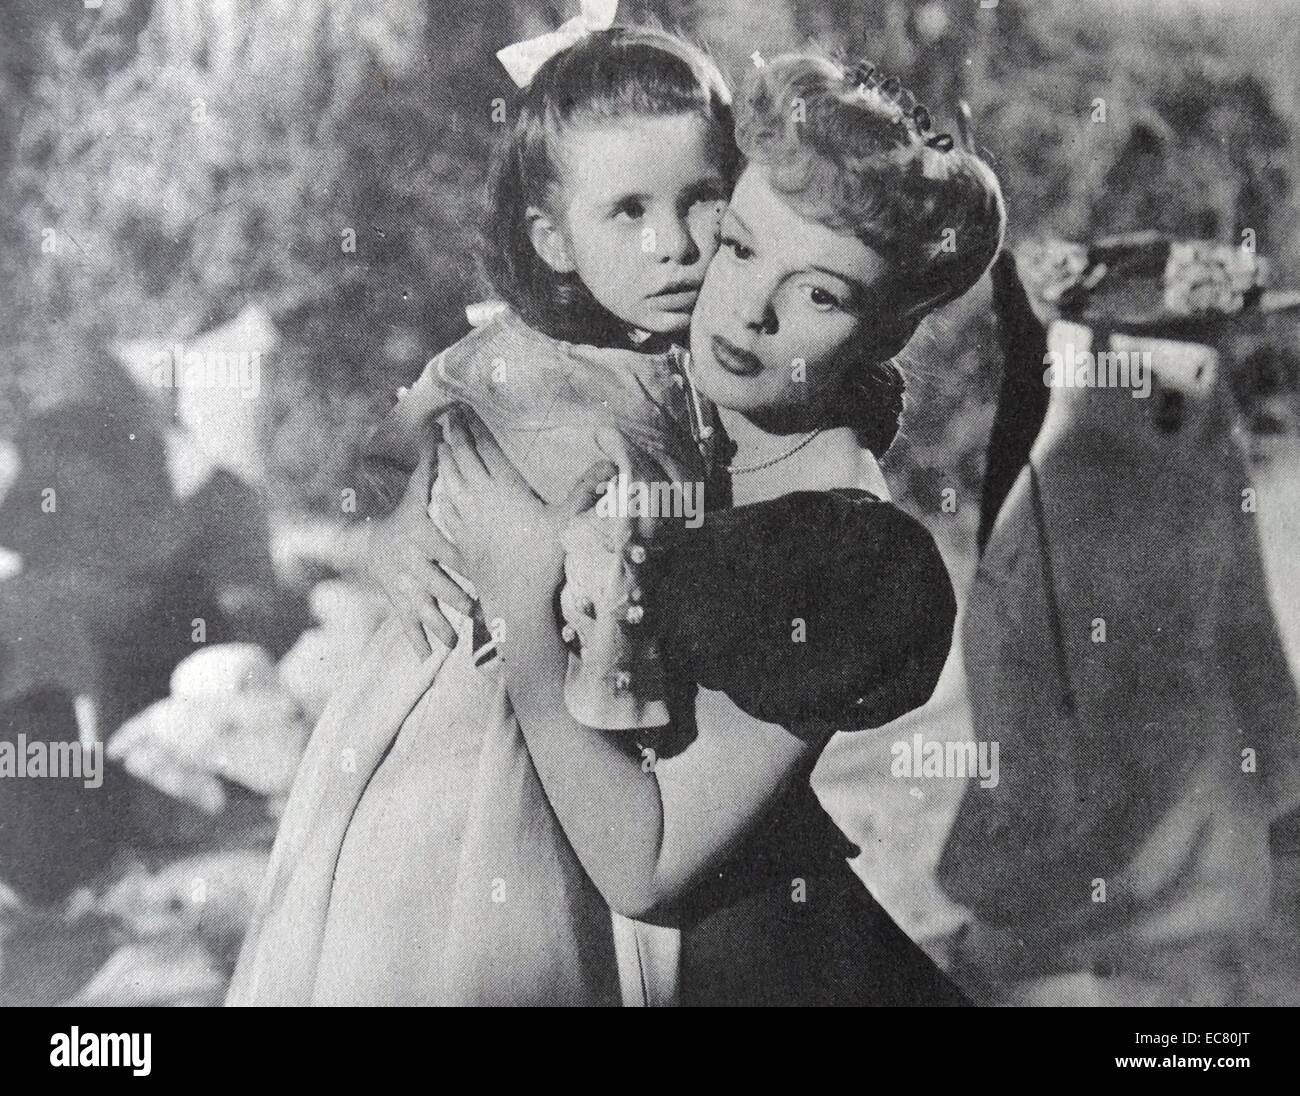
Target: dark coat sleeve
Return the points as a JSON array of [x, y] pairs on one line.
[[815, 611]]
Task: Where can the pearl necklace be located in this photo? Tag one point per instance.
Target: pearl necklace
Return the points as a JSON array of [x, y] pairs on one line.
[[740, 471]]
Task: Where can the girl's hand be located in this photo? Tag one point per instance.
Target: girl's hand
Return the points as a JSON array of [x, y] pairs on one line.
[[508, 537], [403, 556]]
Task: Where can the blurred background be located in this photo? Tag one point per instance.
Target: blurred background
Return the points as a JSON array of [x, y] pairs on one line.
[[291, 187]]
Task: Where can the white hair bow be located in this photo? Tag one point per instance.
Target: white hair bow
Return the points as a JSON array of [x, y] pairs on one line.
[[523, 59]]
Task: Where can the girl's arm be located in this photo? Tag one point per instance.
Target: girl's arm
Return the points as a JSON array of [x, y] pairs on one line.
[[645, 834]]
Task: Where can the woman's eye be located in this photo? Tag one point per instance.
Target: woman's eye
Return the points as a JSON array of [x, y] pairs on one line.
[[631, 210], [822, 298], [739, 250]]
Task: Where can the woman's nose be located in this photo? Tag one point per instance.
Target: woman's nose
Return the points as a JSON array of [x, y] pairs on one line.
[[754, 310]]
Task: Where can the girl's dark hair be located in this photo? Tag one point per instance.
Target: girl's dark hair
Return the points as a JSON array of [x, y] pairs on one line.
[[847, 156], [623, 72]]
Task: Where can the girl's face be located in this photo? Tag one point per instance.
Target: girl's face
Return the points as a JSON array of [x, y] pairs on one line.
[[642, 201], [787, 309]]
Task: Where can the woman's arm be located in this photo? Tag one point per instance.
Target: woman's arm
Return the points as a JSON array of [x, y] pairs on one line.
[[645, 833]]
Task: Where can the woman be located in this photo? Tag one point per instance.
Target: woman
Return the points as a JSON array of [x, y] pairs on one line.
[[832, 252]]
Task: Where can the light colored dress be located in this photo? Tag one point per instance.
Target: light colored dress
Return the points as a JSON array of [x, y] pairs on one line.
[[418, 860]]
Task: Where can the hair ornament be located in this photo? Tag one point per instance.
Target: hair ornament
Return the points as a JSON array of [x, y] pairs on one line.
[[862, 75], [523, 59], [867, 78]]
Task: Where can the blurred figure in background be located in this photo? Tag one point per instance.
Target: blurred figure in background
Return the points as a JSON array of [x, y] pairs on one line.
[[125, 569], [1121, 647]]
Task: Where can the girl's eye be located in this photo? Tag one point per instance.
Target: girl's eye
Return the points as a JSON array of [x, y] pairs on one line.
[[739, 250], [821, 298], [631, 209]]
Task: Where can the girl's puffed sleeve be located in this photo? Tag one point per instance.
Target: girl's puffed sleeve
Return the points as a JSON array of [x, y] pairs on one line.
[[818, 611], [391, 452], [615, 678]]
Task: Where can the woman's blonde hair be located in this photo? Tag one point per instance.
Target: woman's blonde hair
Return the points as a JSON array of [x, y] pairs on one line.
[[853, 152]]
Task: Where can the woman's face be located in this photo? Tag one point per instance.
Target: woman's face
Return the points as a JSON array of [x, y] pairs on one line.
[[786, 309]]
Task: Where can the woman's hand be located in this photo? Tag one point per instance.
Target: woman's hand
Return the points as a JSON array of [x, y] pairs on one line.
[[403, 556], [507, 537]]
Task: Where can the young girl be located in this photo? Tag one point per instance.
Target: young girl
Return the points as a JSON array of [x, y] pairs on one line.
[[418, 860], [833, 250]]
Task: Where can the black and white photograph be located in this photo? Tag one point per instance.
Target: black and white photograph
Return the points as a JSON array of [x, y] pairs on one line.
[[749, 503]]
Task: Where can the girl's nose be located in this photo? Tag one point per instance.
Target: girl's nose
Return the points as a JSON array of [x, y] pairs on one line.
[[675, 243]]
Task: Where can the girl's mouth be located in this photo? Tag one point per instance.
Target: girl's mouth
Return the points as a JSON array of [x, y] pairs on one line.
[[675, 302], [679, 297], [740, 363]]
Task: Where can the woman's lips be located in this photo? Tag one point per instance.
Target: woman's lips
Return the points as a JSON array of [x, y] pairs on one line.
[[740, 363]]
